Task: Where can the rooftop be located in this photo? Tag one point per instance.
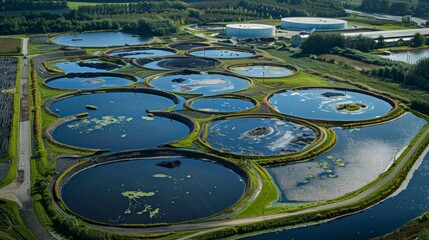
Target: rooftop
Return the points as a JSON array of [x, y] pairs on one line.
[[313, 20], [249, 25]]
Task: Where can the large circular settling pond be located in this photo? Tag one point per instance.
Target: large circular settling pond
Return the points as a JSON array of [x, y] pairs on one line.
[[199, 83], [77, 81], [146, 191], [259, 136], [221, 53], [137, 52], [221, 104], [117, 121], [262, 71], [329, 104], [100, 39], [82, 66], [173, 63]]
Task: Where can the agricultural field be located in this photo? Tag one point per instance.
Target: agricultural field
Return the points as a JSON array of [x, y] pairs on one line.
[[10, 45]]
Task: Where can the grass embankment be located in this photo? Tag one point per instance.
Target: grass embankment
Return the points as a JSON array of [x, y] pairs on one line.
[[416, 229], [76, 5], [359, 21], [267, 195], [17, 230]]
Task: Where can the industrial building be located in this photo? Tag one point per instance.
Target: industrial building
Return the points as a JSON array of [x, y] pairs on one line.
[[250, 30], [310, 23]]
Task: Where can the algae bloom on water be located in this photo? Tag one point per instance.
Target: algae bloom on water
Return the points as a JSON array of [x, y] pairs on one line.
[[137, 194], [351, 107]]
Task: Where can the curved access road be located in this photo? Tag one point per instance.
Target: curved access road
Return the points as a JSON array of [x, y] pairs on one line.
[[211, 224]]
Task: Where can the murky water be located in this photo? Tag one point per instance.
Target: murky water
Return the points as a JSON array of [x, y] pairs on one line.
[[141, 192], [100, 39], [200, 83], [259, 136], [261, 71], [220, 104], [325, 104]]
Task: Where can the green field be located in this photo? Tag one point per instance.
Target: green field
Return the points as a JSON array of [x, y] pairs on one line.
[[75, 5], [10, 45]]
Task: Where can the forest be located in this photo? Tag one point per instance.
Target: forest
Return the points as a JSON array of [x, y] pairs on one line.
[[18, 5], [396, 8], [114, 14]]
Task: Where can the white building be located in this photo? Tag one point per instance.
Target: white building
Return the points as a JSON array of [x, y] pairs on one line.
[[250, 30], [310, 23]]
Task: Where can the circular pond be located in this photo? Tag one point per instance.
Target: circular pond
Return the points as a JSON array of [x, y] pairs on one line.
[[82, 66], [173, 63], [141, 52], [221, 53], [329, 104], [117, 121], [262, 71], [77, 81], [221, 104], [157, 190], [205, 83], [100, 39], [187, 46], [260, 136]]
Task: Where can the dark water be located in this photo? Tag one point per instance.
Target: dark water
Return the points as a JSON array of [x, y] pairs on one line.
[[73, 66], [279, 137], [202, 83], [119, 123], [376, 221], [139, 191], [100, 39], [310, 103], [408, 57], [221, 104], [76, 83], [262, 71], [219, 53], [358, 158], [142, 53], [172, 63]]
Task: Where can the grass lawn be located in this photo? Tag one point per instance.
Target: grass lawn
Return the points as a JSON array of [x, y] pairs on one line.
[[376, 23], [75, 5]]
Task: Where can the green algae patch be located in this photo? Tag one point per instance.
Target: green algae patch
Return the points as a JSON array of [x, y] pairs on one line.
[[161, 175], [351, 107], [133, 195]]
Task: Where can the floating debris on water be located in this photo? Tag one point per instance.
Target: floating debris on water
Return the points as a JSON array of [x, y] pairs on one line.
[[161, 175], [148, 118]]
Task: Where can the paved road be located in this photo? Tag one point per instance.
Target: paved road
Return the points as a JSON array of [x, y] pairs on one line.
[[20, 190], [233, 222]]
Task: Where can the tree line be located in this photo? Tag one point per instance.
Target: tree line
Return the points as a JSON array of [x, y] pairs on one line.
[[396, 8], [18, 5], [74, 21]]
